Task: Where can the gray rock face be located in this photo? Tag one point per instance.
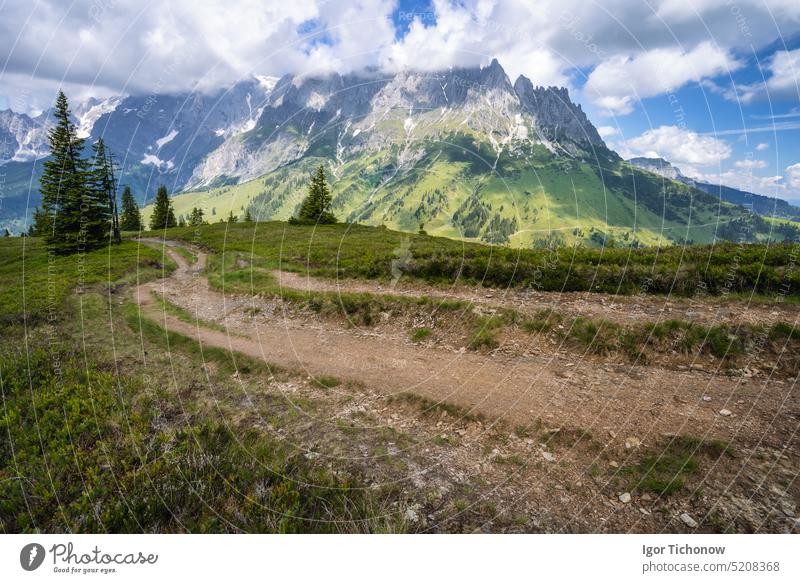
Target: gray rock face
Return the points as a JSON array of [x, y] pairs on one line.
[[555, 113], [661, 167], [22, 137], [343, 116]]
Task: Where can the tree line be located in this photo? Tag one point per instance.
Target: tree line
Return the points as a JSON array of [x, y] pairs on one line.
[[79, 209]]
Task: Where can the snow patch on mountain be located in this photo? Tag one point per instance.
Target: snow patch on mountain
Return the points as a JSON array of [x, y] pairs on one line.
[[267, 82], [88, 113], [160, 164], [161, 142]]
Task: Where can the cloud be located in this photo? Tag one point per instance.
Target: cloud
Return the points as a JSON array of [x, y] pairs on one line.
[[607, 131], [679, 146], [627, 48], [762, 146], [782, 71], [748, 182], [616, 84], [750, 164], [793, 175]]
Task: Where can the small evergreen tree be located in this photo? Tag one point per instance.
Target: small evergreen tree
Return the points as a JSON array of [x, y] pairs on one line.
[[196, 217], [131, 216], [231, 217], [316, 208], [163, 214], [248, 218], [63, 185], [40, 224]]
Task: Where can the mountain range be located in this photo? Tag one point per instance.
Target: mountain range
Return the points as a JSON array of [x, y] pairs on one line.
[[464, 152], [758, 203]]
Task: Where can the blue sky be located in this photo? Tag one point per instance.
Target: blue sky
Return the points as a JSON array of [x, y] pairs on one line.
[[712, 86]]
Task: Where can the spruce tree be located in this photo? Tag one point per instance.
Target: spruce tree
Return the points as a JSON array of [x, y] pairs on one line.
[[248, 218], [163, 215], [196, 217], [63, 185], [100, 198], [231, 217], [131, 217], [316, 208]]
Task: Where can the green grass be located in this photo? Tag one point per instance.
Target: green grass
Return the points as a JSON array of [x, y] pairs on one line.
[[420, 334], [327, 382], [361, 252], [593, 199], [33, 284], [112, 424], [664, 471], [103, 467]]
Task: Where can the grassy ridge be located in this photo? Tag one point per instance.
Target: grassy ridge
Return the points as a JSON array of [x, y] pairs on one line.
[[33, 284], [357, 251]]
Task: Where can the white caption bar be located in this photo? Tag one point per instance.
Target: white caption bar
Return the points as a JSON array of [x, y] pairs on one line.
[[382, 558]]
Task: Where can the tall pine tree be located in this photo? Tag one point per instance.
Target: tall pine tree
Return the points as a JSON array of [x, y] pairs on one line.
[[163, 215], [63, 186], [100, 200], [131, 219], [316, 208]]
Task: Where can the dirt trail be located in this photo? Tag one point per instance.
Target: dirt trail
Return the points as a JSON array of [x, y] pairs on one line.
[[610, 399], [614, 308]]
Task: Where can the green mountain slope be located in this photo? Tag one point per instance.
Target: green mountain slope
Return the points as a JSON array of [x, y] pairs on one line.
[[461, 188]]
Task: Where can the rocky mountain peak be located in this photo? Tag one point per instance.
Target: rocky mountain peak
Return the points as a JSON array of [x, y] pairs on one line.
[[661, 167], [555, 112]]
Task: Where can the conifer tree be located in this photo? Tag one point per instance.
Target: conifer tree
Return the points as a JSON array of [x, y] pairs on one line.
[[63, 185], [40, 224], [131, 216], [316, 208], [100, 198], [196, 217], [231, 217], [248, 218], [163, 215]]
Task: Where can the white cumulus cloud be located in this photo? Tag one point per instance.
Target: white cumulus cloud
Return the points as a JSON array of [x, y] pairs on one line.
[[616, 84], [679, 146]]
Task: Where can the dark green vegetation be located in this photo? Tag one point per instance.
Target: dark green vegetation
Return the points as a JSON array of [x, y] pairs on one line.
[[98, 436], [665, 470], [163, 216], [79, 197], [355, 251], [420, 334], [131, 219], [316, 207]]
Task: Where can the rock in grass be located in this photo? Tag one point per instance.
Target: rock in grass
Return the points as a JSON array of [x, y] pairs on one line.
[[632, 442], [688, 520], [725, 413], [625, 497]]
